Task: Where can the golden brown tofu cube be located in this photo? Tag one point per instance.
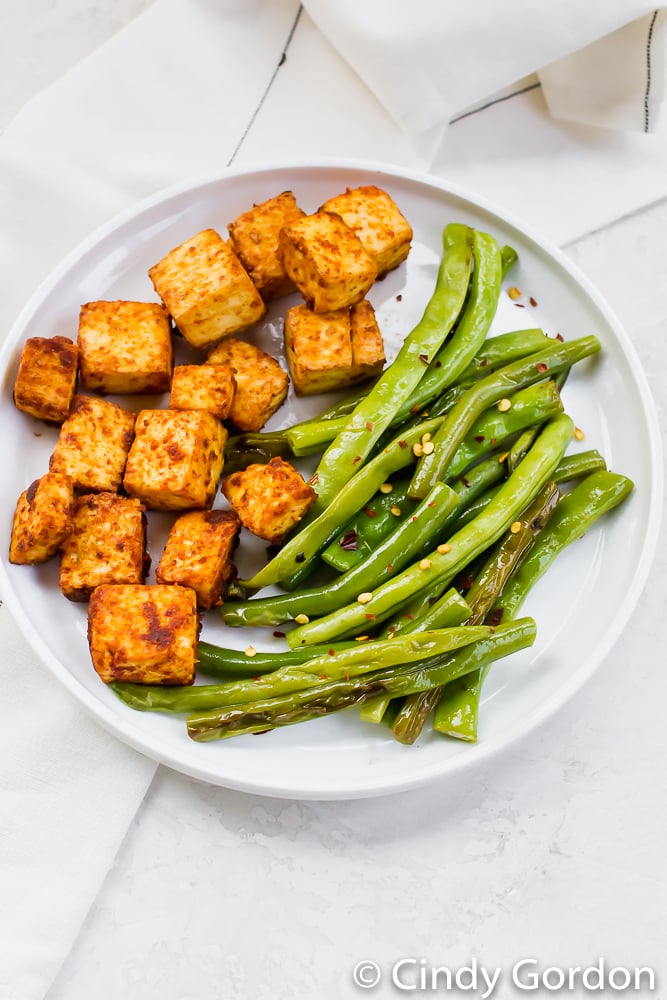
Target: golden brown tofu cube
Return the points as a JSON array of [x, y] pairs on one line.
[[269, 499], [43, 519], [147, 635], [377, 221], [93, 444], [367, 345], [198, 553], [46, 378], [203, 387], [254, 237], [107, 545], [176, 459], [261, 384], [327, 261], [206, 289], [318, 347], [125, 347]]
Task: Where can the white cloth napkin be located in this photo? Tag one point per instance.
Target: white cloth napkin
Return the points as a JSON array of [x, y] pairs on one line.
[[189, 88]]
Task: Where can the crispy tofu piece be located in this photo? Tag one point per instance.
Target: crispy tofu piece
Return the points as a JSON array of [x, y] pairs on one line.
[[206, 289], [46, 378], [368, 356], [318, 347], [269, 499], [147, 635], [176, 459], [327, 261], [254, 237], [198, 553], [203, 387], [261, 384], [375, 218], [43, 519], [93, 444], [125, 347], [107, 545]]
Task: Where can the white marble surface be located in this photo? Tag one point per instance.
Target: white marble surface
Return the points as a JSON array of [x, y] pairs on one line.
[[552, 850]]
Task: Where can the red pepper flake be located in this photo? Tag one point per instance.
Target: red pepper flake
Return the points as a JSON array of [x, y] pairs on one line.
[[466, 482], [519, 305], [431, 504], [532, 301], [349, 541], [541, 367], [279, 635], [495, 617], [466, 582], [300, 557], [257, 678], [409, 617], [438, 364], [399, 298], [484, 362], [369, 425], [560, 337], [493, 442], [414, 517], [314, 480], [390, 568], [332, 652], [415, 408], [37, 434], [356, 459], [323, 677], [370, 617], [423, 358], [479, 438], [369, 512], [402, 444]]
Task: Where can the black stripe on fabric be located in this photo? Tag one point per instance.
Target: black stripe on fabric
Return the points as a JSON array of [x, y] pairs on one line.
[[283, 57], [497, 100], [647, 94]]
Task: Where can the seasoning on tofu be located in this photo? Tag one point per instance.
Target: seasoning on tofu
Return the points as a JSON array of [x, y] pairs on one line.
[[327, 261], [147, 635], [42, 520], [375, 218], [107, 545], [176, 459], [333, 350], [203, 387], [269, 499], [261, 384], [125, 347], [93, 444], [46, 378], [206, 289], [198, 554], [254, 236]]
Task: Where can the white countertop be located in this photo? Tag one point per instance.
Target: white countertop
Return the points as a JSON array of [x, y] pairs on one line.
[[553, 850]]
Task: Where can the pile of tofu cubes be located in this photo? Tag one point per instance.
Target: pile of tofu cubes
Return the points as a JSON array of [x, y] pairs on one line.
[[111, 465]]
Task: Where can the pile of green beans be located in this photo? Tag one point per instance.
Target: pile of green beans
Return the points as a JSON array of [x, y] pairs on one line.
[[440, 505]]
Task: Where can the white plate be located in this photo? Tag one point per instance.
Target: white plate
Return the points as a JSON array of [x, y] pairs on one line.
[[581, 606]]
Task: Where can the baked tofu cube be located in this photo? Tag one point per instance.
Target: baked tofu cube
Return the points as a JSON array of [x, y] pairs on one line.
[[147, 635], [367, 345], [176, 459], [46, 378], [203, 387], [269, 499], [43, 519], [327, 261], [261, 384], [125, 347], [198, 553], [206, 289], [107, 545], [93, 444], [318, 347], [254, 237], [375, 218]]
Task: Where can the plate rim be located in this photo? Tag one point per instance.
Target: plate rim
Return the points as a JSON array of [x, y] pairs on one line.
[[125, 730]]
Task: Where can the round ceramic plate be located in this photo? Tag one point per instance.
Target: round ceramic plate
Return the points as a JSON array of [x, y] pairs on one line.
[[581, 605]]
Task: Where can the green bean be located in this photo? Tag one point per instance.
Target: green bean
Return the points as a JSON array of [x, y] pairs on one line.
[[509, 258], [376, 412], [332, 696], [578, 465], [369, 528], [496, 352], [243, 450], [230, 664], [519, 375], [390, 557], [332, 666], [535, 470], [311, 540]]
